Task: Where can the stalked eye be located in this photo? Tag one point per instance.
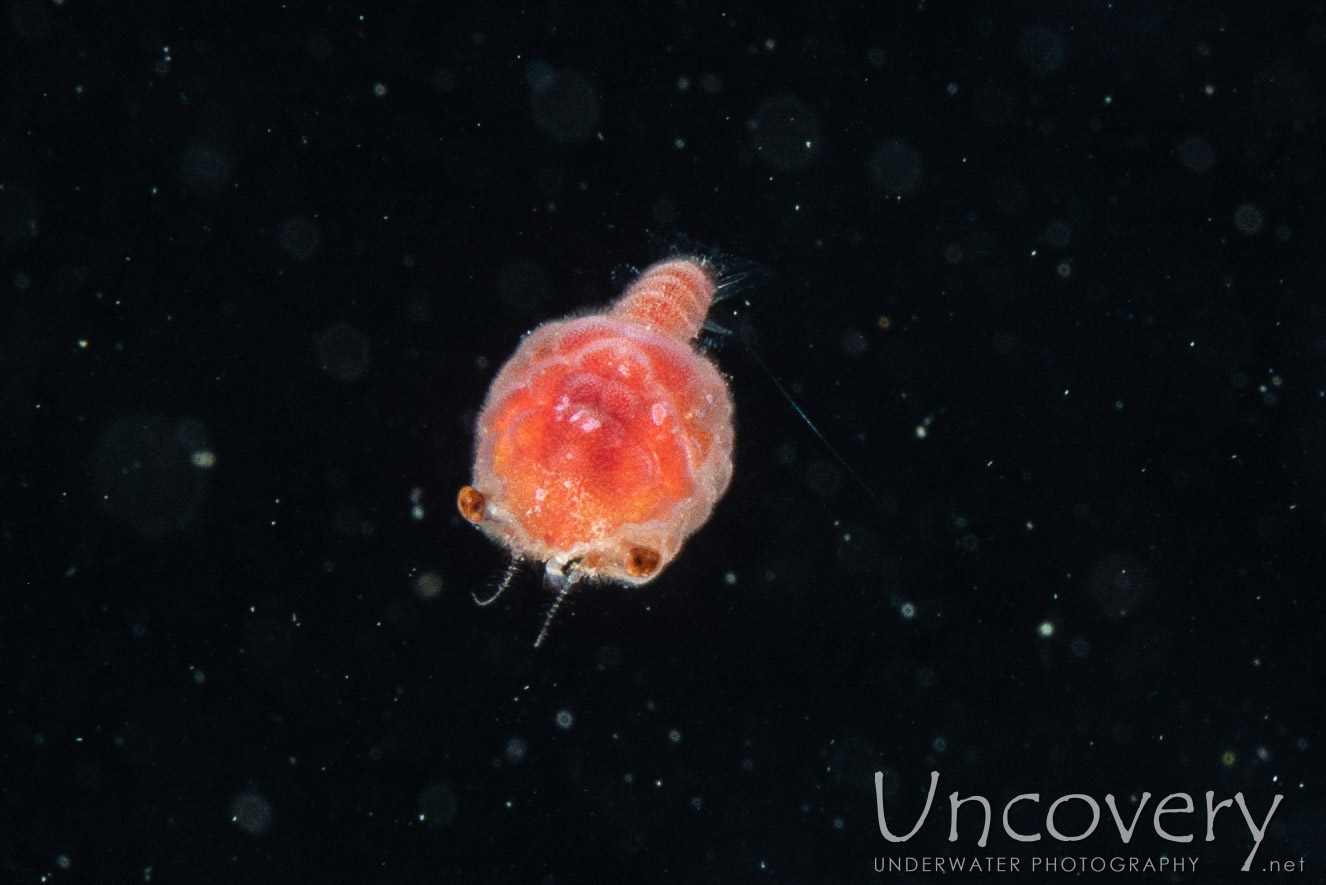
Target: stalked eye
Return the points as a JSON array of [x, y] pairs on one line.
[[641, 562], [471, 503]]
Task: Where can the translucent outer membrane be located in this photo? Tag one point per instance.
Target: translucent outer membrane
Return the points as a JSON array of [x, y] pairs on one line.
[[607, 435]]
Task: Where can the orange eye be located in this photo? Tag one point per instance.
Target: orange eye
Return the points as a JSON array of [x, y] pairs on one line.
[[641, 562], [471, 503]]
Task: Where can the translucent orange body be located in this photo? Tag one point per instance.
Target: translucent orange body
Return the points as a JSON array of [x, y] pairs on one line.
[[606, 440]]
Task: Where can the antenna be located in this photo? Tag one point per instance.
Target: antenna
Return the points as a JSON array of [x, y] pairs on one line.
[[563, 584], [512, 569]]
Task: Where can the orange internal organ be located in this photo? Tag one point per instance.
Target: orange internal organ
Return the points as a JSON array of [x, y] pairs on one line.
[[579, 447], [606, 440]]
